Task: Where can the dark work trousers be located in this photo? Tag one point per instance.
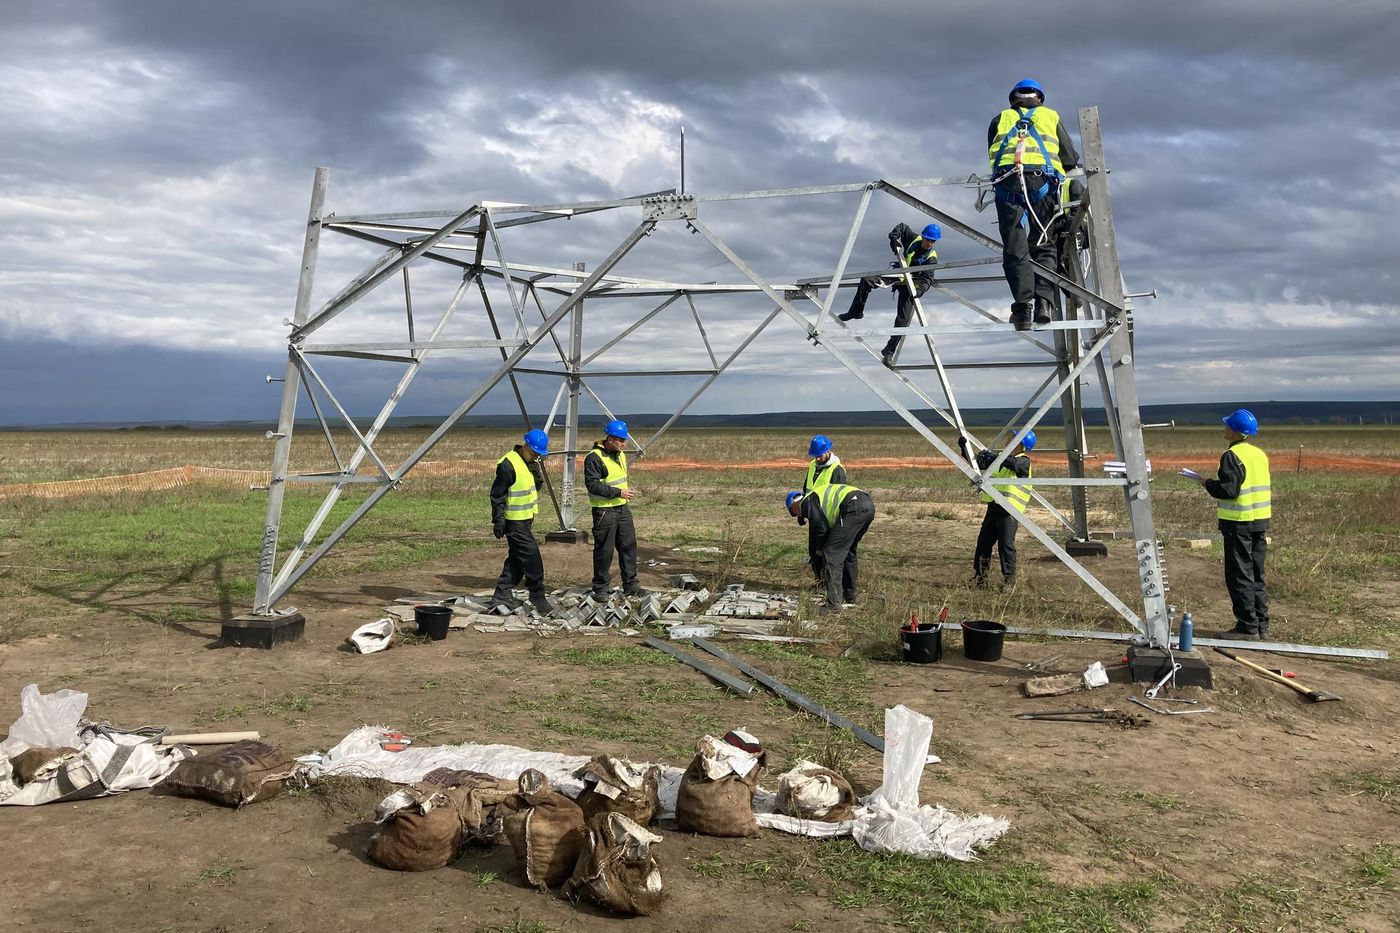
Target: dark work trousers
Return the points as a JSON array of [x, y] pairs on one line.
[[1244, 575], [839, 558], [904, 308], [1019, 246], [613, 531], [999, 529], [523, 561]]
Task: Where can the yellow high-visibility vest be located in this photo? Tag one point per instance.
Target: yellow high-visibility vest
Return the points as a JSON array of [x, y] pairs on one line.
[[819, 474], [1253, 501], [1044, 122], [522, 499], [913, 251], [832, 495], [1020, 496], [616, 471]]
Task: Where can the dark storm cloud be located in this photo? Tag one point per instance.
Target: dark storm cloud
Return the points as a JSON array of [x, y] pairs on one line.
[[155, 168]]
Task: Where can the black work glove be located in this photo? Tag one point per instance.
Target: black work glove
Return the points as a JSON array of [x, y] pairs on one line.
[[962, 443], [499, 530]]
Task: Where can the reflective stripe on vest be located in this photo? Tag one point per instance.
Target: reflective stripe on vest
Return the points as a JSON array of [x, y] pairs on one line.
[[615, 475], [1042, 139], [1020, 496], [818, 475], [1253, 501], [929, 254], [833, 494], [522, 499]]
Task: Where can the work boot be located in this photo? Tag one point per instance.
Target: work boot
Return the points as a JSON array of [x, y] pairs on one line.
[[541, 603], [887, 359], [599, 594], [1240, 634], [503, 599], [635, 590], [850, 316], [1042, 311], [1021, 316]]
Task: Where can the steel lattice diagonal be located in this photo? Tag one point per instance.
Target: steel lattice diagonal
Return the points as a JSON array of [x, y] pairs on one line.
[[1091, 337]]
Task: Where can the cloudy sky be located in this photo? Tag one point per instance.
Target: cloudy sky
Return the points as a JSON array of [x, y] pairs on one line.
[[156, 163]]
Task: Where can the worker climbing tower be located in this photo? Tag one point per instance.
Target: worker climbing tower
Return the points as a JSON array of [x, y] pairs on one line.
[[530, 321]]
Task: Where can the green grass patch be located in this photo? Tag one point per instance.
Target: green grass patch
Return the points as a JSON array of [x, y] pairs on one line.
[[1383, 785]]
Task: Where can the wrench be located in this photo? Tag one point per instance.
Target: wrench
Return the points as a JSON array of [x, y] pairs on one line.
[[1171, 712], [1157, 687]]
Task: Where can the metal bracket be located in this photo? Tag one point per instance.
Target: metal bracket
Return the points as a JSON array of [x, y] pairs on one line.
[[669, 207]]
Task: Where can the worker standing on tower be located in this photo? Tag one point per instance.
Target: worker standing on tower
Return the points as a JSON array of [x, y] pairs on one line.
[[998, 525], [914, 249], [1244, 511], [1030, 150], [837, 517], [514, 504], [610, 493]]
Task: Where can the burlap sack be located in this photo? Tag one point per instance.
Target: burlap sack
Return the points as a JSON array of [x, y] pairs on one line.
[[615, 785], [722, 807], [546, 833], [428, 833], [811, 792], [236, 776], [36, 762], [617, 869]]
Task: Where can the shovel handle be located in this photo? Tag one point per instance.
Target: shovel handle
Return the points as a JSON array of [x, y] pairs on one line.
[[1307, 692]]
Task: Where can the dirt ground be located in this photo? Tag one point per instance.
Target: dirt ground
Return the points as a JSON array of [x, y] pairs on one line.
[[1258, 790]]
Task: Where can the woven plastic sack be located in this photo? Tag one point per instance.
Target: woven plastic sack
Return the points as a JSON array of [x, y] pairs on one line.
[[617, 869]]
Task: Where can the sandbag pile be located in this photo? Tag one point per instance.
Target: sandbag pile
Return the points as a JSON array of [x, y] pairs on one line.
[[811, 792], [546, 832], [235, 776], [617, 869], [429, 824], [615, 785], [716, 792]]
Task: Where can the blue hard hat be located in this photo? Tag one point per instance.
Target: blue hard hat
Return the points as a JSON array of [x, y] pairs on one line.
[[791, 498], [538, 441], [1028, 441], [616, 429], [820, 445], [932, 232], [1242, 420], [1028, 84]]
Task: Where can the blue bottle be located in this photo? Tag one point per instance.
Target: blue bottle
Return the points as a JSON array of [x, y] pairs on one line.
[[1185, 633]]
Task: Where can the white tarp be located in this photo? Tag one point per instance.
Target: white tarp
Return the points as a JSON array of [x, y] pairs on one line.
[[879, 826]]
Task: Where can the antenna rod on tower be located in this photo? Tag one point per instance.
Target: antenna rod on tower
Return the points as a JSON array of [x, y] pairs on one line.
[[682, 160]]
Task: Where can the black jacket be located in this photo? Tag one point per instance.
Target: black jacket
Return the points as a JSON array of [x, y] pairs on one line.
[[505, 478], [1227, 485], [1069, 156], [594, 472], [901, 238]]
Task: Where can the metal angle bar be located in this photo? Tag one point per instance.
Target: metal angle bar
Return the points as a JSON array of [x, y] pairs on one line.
[[336, 478], [973, 233], [1056, 513], [1020, 412], [515, 302], [710, 381], [700, 326], [1279, 647], [446, 212], [408, 303], [325, 428], [554, 409], [361, 355], [395, 244], [1004, 364], [969, 329], [286, 416], [723, 678], [642, 229], [359, 289], [309, 370], [622, 336], [1054, 481], [839, 272], [952, 264], [608, 413], [607, 373], [534, 293], [380, 420], [408, 346], [955, 459], [1024, 335], [791, 695], [933, 350]]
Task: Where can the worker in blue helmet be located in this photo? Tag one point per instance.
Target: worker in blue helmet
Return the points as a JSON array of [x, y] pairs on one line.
[[610, 493], [1243, 510], [1030, 151], [514, 505], [824, 467], [913, 248], [998, 524], [837, 517]]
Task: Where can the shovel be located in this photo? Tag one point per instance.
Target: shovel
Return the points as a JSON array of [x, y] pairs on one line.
[[1317, 696]]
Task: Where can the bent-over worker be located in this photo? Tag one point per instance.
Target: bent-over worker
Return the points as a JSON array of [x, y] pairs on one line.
[[837, 517]]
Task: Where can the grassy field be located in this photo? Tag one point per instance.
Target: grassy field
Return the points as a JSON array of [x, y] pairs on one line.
[[115, 578]]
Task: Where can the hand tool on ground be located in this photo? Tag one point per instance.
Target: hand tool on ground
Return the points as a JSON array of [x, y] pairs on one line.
[[1169, 675], [1316, 696], [1088, 714], [1171, 712], [209, 738]]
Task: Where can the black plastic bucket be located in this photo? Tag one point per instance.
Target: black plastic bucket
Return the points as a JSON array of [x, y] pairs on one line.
[[432, 621], [982, 640], [923, 646]]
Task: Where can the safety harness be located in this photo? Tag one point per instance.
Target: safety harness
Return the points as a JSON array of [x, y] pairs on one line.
[[1018, 193]]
